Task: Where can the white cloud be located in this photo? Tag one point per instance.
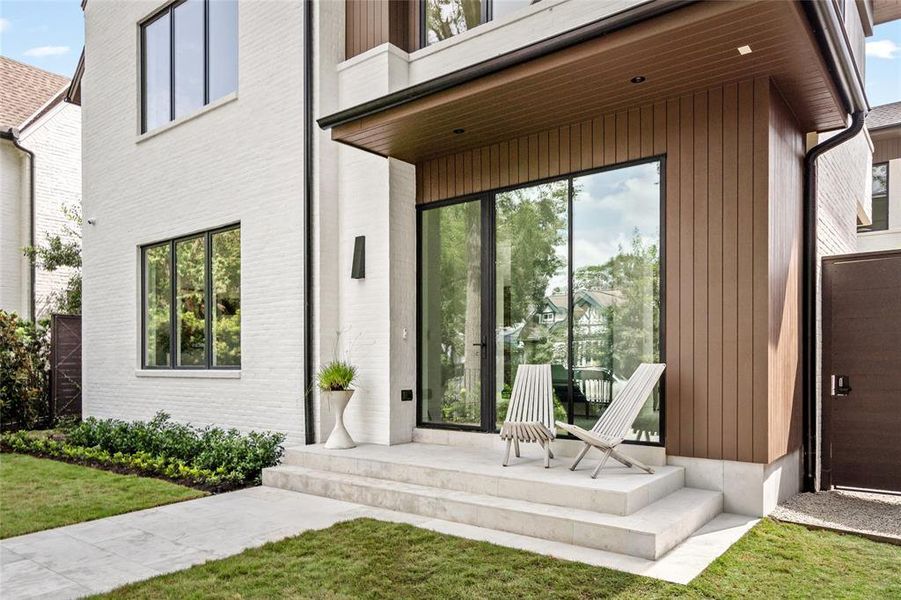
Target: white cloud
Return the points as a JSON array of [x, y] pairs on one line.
[[47, 51], [887, 49], [4, 24]]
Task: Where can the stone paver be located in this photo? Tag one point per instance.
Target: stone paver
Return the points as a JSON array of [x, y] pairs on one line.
[[98, 556]]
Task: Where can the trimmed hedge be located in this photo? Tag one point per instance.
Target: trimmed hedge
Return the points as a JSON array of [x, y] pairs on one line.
[[210, 457]]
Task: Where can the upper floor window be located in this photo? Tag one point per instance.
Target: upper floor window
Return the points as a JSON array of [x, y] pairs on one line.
[[880, 199], [446, 18], [189, 57]]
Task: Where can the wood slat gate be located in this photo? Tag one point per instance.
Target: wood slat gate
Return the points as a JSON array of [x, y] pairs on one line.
[[862, 371], [65, 366]]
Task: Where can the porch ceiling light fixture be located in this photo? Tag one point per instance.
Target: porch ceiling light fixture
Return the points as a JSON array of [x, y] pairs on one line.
[[459, 130], [744, 49], [638, 79]]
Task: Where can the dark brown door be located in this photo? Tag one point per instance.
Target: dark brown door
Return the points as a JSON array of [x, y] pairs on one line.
[[862, 371]]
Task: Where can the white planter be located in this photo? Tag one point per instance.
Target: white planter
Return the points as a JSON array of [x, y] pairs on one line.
[[337, 401]]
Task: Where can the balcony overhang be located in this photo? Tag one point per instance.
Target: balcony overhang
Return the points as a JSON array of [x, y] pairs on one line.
[[687, 49]]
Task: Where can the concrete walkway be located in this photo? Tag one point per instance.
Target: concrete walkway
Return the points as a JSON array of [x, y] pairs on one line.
[[98, 556]]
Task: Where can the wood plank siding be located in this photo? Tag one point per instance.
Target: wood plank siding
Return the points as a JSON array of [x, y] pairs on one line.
[[732, 250], [370, 23], [886, 145]]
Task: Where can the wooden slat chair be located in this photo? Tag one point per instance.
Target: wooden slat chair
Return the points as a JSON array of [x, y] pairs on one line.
[[613, 426], [530, 414]]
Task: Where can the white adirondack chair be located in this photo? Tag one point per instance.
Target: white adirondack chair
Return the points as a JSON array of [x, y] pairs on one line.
[[613, 426], [530, 414]]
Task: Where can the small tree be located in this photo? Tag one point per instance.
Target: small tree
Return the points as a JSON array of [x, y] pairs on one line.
[[24, 373], [62, 251]]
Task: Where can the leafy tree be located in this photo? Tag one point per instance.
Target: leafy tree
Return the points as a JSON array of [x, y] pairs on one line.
[[24, 372], [62, 251], [447, 18], [632, 322]]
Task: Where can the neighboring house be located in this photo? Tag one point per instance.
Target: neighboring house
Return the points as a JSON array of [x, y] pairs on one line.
[[484, 157], [40, 137], [883, 231]]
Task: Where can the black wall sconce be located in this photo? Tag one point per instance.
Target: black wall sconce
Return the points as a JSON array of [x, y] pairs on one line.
[[358, 270]]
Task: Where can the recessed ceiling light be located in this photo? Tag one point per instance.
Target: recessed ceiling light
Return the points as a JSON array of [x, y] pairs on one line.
[[638, 79], [459, 130], [744, 50]]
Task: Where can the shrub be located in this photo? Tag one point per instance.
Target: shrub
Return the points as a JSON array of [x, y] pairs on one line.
[[336, 376], [24, 373], [229, 453], [140, 462]]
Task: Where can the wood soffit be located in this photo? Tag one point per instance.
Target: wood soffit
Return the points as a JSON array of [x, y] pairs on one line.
[[688, 50]]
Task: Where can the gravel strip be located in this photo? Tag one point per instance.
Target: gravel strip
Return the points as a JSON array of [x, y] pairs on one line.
[[855, 512]]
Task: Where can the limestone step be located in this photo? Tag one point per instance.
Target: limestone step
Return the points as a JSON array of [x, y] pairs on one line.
[[618, 490], [647, 533]]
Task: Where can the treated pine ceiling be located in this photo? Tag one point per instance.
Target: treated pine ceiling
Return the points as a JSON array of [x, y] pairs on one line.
[[688, 50], [886, 10]]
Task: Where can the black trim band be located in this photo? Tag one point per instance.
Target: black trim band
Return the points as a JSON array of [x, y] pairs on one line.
[[309, 425]]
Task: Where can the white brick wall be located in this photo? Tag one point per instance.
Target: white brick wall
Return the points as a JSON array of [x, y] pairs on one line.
[[13, 229], [56, 141], [240, 161], [402, 320]]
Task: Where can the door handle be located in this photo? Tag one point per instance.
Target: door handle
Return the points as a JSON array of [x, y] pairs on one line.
[[841, 385], [484, 347]]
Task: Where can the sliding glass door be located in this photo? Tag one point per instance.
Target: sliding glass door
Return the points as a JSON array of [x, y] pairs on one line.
[[565, 273], [616, 289], [450, 300], [530, 298]]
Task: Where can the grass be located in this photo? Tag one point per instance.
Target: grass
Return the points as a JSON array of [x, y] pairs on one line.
[[372, 559], [37, 493]]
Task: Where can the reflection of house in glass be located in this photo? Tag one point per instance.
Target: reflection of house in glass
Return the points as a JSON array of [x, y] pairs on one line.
[[542, 338]]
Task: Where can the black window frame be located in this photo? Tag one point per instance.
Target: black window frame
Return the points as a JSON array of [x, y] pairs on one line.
[[173, 365], [489, 318], [871, 228], [169, 9]]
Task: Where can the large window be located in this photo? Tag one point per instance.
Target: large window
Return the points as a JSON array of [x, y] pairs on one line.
[[565, 273], [880, 200], [192, 301], [189, 58], [443, 19]]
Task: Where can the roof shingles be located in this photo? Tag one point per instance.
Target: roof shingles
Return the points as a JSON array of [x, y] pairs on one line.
[[887, 115], [23, 90]]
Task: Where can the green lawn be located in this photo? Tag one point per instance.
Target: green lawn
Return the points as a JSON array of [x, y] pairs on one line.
[[37, 493], [372, 559]]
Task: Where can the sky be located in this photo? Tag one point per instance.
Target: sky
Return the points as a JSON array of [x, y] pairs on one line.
[[49, 34], [884, 64]]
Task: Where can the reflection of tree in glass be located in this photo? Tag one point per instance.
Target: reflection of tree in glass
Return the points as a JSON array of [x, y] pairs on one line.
[[226, 260], [532, 222], [460, 301], [447, 18], [190, 308], [632, 322], [159, 297]]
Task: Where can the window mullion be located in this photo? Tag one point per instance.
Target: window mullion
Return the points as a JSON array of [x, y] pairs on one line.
[[206, 52], [570, 409], [208, 293], [173, 311]]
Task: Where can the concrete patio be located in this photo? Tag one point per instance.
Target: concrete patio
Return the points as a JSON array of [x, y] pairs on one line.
[[97, 556]]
